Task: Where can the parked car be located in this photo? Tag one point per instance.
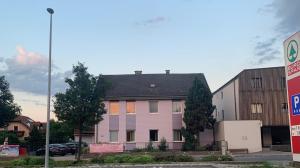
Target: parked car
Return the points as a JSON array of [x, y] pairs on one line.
[[53, 150], [73, 147]]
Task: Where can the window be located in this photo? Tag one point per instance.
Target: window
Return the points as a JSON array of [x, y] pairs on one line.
[[16, 128], [153, 106], [114, 107], [130, 107], [256, 82], [113, 136], [130, 136], [283, 82], [153, 134], [221, 95], [284, 107], [177, 136], [256, 108], [223, 115], [176, 106]]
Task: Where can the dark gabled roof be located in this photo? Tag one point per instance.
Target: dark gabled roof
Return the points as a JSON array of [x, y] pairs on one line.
[[240, 74], [24, 120], [150, 86]]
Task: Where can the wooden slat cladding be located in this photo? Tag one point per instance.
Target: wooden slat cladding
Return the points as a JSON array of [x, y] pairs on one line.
[[271, 96]]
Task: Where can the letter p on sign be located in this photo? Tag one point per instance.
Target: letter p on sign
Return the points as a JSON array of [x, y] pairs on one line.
[[296, 104]]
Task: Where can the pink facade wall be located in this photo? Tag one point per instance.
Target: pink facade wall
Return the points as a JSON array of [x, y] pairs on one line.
[[164, 121]]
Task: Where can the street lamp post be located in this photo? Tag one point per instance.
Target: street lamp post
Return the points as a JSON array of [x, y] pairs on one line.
[[50, 11]]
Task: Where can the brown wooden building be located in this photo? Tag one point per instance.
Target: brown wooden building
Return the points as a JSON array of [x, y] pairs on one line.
[[257, 94]]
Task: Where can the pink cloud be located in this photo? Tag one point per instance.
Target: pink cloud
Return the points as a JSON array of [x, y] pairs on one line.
[[29, 58]]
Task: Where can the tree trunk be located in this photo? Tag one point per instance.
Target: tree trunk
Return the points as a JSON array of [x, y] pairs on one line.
[[80, 141]]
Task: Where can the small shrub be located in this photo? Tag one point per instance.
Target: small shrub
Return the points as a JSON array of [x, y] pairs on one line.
[[138, 150], [143, 159], [98, 160], [218, 158], [163, 144], [171, 157], [30, 161], [184, 158], [150, 147], [110, 159]]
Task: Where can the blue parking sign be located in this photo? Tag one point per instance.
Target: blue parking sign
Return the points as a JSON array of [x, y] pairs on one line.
[[296, 104]]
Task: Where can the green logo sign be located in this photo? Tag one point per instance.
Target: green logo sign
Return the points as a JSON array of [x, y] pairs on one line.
[[292, 50]]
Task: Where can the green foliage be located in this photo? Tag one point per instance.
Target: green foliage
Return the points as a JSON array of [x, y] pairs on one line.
[[8, 109], [30, 161], [123, 158], [264, 165], [172, 157], [163, 146], [81, 105], [60, 132], [36, 139], [217, 158], [198, 113], [150, 147], [12, 138]]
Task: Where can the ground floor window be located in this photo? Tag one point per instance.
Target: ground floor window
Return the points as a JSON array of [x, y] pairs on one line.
[[113, 136], [153, 134], [177, 136], [130, 136]]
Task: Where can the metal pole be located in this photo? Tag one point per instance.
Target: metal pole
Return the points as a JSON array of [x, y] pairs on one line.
[[49, 92]]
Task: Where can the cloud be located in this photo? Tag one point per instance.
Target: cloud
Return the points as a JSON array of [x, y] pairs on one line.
[[155, 20], [287, 14], [28, 71], [36, 102], [265, 51]]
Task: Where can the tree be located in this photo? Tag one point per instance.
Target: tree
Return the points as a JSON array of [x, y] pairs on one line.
[[11, 136], [81, 105], [8, 109], [36, 139], [60, 132], [198, 112]]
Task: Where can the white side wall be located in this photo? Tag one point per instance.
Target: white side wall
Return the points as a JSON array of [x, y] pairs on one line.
[[229, 102], [243, 134]]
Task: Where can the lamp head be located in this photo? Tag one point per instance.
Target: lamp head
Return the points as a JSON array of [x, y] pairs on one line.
[[50, 10]]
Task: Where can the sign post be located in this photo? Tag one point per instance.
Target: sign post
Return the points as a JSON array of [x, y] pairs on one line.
[[292, 71]]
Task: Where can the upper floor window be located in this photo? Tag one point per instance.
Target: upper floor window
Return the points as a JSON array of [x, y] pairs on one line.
[[176, 106], [130, 107], [284, 107], [283, 82], [221, 95], [114, 107], [256, 108], [256, 82], [153, 106], [16, 128]]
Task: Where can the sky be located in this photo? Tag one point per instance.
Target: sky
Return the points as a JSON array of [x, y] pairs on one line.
[[214, 37]]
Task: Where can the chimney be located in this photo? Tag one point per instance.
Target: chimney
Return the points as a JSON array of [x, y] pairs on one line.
[[167, 71], [138, 72]]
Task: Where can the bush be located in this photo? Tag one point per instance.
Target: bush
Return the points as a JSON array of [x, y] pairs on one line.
[[30, 161], [218, 158], [150, 147], [123, 158], [163, 144], [141, 159], [98, 159], [171, 157]]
